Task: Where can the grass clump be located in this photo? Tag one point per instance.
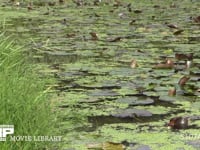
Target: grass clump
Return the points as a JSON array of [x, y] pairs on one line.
[[24, 100]]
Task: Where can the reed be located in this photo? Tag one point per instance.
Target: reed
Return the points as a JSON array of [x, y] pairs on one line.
[[24, 99]]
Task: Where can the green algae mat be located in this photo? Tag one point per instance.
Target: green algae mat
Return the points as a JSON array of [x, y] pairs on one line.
[[116, 64]]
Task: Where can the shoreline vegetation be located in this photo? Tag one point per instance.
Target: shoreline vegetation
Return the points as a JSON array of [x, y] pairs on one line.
[[25, 102]]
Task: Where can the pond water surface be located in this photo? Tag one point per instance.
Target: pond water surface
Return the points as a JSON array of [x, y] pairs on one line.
[[88, 47]]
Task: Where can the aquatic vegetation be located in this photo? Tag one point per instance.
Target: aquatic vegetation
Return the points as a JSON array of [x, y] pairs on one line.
[[123, 69]]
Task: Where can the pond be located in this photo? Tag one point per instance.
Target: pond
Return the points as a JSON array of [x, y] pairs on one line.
[[114, 63]]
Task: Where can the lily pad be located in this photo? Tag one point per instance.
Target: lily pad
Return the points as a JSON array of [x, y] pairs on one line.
[[136, 100], [132, 113], [103, 93]]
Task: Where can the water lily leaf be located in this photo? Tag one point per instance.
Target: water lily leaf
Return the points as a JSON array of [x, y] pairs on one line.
[[196, 105], [132, 113], [167, 98], [122, 72], [103, 93], [195, 143], [151, 93], [136, 100], [91, 100], [127, 91]]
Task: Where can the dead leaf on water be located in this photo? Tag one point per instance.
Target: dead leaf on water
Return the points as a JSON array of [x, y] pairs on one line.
[[115, 39], [169, 64], [134, 64], [137, 11], [94, 36], [172, 26], [183, 80], [172, 92], [197, 19], [181, 56], [178, 32], [132, 22]]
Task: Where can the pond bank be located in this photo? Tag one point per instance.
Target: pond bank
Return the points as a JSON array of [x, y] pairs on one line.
[[24, 100]]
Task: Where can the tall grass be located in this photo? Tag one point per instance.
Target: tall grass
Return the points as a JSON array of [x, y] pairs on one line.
[[24, 101]]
